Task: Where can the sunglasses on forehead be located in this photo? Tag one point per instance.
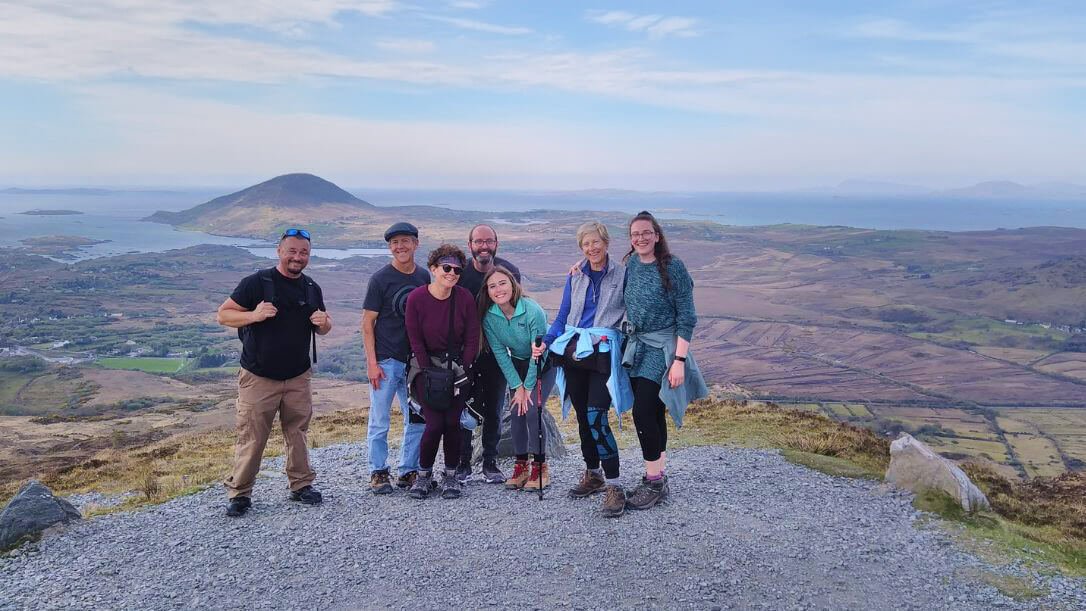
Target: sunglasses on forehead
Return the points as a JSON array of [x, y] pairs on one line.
[[454, 269], [296, 233]]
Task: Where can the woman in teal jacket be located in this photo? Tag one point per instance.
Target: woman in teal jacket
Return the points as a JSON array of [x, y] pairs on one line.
[[511, 322]]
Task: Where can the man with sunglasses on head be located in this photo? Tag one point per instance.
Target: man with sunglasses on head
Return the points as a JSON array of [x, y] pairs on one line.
[[490, 384], [276, 312], [388, 352]]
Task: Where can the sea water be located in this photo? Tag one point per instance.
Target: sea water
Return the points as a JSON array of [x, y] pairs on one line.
[[117, 216]]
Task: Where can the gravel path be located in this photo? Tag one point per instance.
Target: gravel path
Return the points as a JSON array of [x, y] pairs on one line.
[[743, 529]]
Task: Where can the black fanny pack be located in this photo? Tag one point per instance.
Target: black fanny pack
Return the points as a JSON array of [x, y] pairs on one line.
[[599, 362]]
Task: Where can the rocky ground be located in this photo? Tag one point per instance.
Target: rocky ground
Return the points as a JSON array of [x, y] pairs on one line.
[[742, 529]]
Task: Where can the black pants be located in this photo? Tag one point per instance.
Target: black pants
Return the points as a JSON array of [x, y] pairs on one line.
[[587, 390], [489, 392], [649, 418]]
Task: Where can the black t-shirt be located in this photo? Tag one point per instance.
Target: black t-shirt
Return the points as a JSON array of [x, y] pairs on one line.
[[387, 295], [278, 347], [472, 279]]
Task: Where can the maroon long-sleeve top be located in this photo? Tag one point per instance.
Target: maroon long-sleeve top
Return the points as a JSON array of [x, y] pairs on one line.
[[427, 321]]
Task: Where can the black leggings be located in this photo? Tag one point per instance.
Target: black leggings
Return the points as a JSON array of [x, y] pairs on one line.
[[587, 390], [649, 418]]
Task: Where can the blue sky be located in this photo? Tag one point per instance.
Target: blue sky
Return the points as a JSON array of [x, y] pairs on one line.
[[516, 94]]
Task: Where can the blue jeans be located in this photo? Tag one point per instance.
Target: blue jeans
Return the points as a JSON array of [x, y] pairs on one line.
[[394, 385]]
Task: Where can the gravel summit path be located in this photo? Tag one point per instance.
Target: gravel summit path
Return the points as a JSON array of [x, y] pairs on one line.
[[743, 529]]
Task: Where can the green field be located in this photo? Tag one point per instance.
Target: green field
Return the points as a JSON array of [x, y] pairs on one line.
[[988, 332], [10, 383], [992, 450], [148, 364]]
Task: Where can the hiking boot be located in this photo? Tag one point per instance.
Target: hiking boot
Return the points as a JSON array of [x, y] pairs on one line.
[[450, 486], [405, 480], [379, 483], [540, 477], [520, 476], [238, 506], [648, 494], [420, 489], [614, 502], [307, 495], [491, 473], [590, 484], [463, 473]]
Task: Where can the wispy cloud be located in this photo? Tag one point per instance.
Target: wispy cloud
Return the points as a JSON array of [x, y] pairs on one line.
[[239, 12], [480, 26], [80, 44], [656, 26], [468, 5], [405, 45], [1009, 36]]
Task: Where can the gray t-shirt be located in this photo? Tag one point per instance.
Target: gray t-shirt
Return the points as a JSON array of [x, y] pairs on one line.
[[387, 295]]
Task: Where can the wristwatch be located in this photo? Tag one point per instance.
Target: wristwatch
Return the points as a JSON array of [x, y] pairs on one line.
[[681, 359]]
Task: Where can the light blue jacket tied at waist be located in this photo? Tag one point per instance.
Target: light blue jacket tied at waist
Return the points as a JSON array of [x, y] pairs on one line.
[[618, 384], [693, 386]]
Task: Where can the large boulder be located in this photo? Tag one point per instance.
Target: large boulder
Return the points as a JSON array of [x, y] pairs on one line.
[[555, 445], [914, 466], [32, 510]]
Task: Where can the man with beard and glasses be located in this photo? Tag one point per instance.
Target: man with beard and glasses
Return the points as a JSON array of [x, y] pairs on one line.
[[490, 384], [276, 312], [387, 354]]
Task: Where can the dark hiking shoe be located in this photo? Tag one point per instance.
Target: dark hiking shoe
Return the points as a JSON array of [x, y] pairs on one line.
[[648, 494], [307, 495], [405, 480], [422, 486], [238, 506], [380, 483], [463, 473], [614, 502], [491, 473], [590, 484], [450, 487]]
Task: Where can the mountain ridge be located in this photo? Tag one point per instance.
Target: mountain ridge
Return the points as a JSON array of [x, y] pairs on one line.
[[297, 191]]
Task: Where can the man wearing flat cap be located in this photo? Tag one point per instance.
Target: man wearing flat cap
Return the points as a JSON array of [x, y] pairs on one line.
[[384, 336]]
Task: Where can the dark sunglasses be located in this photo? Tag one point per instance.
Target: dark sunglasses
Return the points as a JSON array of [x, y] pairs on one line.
[[300, 233], [451, 268]]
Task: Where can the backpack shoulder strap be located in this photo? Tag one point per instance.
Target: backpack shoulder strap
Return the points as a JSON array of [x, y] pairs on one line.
[[449, 338], [311, 299], [267, 284], [311, 296]]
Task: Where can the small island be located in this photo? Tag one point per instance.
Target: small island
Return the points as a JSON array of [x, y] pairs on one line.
[[58, 246], [41, 212]]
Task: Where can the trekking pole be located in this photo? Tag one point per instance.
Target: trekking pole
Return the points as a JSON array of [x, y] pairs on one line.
[[539, 408]]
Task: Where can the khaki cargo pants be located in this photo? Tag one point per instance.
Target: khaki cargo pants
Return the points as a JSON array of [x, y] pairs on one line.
[[258, 401]]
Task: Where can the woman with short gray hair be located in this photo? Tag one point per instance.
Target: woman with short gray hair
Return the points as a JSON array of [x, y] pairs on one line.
[[584, 339]]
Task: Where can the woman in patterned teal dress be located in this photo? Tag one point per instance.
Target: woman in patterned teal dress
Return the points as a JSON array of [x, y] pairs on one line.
[[659, 297]]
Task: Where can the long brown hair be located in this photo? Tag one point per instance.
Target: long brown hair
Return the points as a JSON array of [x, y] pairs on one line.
[[483, 302], [661, 251]]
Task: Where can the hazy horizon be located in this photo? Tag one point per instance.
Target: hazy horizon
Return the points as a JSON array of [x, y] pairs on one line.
[[812, 189]]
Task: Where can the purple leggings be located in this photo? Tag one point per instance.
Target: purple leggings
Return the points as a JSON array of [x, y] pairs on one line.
[[440, 426]]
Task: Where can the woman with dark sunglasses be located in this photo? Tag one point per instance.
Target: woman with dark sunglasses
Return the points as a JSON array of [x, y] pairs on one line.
[[427, 318]]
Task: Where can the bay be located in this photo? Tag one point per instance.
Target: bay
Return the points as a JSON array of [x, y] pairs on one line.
[[115, 216]]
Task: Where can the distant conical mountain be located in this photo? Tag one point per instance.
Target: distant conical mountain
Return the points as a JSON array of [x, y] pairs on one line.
[[296, 192]]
